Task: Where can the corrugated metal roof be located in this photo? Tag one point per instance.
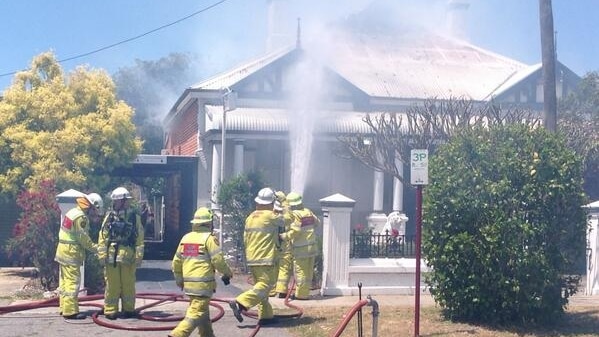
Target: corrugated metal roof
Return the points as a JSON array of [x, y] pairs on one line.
[[418, 65], [516, 78], [235, 75], [277, 120]]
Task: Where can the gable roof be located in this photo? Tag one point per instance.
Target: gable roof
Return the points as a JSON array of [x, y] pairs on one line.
[[231, 77]]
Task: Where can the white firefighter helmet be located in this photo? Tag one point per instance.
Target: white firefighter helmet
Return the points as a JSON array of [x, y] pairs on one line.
[[265, 196], [97, 201], [120, 193]]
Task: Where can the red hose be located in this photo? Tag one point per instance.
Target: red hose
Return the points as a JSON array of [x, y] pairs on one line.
[[348, 317], [159, 299]]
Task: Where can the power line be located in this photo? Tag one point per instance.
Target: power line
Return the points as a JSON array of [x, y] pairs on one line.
[[129, 39]]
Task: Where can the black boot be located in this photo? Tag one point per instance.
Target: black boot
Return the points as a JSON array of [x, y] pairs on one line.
[[75, 316], [236, 307], [130, 314]]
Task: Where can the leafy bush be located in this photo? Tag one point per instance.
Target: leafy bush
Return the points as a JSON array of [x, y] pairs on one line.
[[35, 235], [503, 225], [236, 199]]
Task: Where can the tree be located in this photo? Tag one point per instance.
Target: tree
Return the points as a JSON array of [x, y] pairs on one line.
[[150, 87], [392, 135], [67, 128], [503, 227], [579, 122]]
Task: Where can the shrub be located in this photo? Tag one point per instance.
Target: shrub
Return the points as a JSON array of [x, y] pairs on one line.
[[35, 235], [503, 225], [236, 199]]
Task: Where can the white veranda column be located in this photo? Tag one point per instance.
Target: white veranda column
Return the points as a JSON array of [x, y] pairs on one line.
[[398, 188], [238, 157], [215, 180], [379, 180]]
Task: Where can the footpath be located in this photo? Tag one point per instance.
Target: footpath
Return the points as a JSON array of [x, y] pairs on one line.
[[155, 277]]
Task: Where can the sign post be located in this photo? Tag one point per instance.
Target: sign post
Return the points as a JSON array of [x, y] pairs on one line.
[[418, 178]]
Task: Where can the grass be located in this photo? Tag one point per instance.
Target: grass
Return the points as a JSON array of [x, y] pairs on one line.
[[399, 321]]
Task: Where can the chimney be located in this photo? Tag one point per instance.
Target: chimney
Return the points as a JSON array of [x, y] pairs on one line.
[[457, 19], [278, 37]]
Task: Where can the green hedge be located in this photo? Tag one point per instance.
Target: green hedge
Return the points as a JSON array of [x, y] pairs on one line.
[[503, 225]]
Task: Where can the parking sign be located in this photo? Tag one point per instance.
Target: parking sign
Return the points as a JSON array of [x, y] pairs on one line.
[[419, 167]]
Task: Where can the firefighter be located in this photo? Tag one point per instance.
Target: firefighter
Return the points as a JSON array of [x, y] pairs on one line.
[[261, 238], [120, 250], [73, 241], [197, 256], [285, 272], [304, 247]]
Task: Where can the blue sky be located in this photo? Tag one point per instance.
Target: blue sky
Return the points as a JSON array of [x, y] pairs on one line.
[[235, 30]]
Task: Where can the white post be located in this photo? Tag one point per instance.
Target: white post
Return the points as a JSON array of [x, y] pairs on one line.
[[335, 244], [398, 189], [592, 284], [238, 157], [215, 179], [67, 200]]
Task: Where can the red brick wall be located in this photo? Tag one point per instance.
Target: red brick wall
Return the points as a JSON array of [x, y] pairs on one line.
[[182, 139]]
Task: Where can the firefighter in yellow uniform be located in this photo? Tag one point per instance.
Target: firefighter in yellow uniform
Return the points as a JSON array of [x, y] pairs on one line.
[[120, 250], [304, 245], [281, 207], [262, 248], [197, 256], [73, 241]]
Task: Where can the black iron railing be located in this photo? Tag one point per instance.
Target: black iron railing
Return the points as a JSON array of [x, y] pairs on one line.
[[380, 245]]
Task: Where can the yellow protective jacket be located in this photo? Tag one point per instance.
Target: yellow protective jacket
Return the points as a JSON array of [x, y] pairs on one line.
[[127, 243], [261, 238], [197, 256], [73, 238], [285, 226], [302, 233]]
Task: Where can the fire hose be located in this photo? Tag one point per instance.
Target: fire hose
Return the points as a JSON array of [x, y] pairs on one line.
[[159, 298], [172, 297]]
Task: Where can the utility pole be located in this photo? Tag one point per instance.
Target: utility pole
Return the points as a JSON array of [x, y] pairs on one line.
[[549, 65]]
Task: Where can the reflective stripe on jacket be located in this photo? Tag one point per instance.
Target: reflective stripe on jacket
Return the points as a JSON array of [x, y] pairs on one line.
[[261, 238], [195, 260], [73, 238]]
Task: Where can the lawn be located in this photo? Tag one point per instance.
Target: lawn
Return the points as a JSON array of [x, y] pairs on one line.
[[399, 321]]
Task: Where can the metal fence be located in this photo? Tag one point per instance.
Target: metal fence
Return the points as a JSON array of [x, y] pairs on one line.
[[380, 245]]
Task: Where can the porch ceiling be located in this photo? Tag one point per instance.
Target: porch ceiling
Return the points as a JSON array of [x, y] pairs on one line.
[[278, 120]]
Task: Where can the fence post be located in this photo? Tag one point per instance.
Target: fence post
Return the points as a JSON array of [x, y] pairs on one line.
[[336, 214]]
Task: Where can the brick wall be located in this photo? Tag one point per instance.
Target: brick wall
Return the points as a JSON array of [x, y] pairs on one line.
[[182, 139]]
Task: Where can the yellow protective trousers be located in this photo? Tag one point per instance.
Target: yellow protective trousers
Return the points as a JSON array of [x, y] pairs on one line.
[[120, 284], [284, 274], [304, 272], [68, 287], [265, 278], [196, 316]]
